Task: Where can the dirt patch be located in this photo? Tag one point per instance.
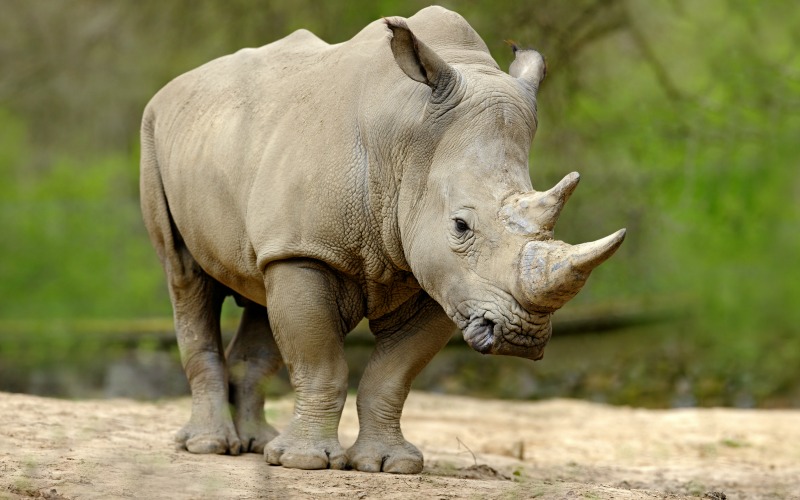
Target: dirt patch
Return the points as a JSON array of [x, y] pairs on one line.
[[473, 449]]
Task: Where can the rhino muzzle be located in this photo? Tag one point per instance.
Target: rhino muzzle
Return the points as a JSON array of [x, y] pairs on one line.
[[497, 328]]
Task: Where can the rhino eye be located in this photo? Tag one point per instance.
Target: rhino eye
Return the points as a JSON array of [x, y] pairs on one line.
[[461, 226]]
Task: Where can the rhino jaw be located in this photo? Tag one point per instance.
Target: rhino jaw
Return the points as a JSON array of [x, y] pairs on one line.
[[488, 337]]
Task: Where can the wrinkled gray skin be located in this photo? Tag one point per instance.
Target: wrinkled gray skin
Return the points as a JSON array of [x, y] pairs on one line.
[[385, 177]]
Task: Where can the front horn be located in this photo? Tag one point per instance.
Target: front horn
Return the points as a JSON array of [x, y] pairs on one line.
[[552, 272]]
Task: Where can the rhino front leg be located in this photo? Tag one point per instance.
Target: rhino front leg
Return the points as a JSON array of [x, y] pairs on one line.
[[405, 343], [252, 357], [303, 302]]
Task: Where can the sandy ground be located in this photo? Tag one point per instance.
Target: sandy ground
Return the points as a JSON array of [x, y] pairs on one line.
[[554, 449]]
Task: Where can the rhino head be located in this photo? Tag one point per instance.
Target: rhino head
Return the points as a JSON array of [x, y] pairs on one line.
[[476, 235]]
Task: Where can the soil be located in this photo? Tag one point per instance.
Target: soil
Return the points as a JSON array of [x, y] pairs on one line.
[[473, 448]]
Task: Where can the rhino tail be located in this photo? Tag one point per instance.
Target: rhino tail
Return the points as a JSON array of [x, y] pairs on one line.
[[152, 195]]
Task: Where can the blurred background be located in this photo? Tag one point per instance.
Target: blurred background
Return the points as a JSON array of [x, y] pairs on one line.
[[682, 117]]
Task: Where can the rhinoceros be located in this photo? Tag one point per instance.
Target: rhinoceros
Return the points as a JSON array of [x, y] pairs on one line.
[[385, 178]]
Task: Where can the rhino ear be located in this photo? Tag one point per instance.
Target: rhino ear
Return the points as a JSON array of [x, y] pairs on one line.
[[528, 66], [416, 59]]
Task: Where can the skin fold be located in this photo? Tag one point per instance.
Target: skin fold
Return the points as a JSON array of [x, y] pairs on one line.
[[385, 177]]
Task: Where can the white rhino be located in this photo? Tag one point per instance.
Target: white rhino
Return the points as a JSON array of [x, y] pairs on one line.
[[384, 177]]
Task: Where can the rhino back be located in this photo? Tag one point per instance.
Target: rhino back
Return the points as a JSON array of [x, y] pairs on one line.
[[263, 153], [258, 158]]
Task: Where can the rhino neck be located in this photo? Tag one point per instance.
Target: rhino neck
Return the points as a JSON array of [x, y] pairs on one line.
[[397, 175], [390, 111], [401, 124]]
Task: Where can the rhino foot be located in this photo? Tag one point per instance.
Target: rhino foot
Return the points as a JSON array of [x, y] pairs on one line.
[[373, 456], [305, 453], [254, 435], [218, 439]]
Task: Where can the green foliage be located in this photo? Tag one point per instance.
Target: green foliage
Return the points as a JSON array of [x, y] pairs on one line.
[[74, 239], [682, 118], [702, 148]]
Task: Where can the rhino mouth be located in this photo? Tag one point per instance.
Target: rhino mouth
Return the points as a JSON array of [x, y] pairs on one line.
[[479, 334], [510, 330]]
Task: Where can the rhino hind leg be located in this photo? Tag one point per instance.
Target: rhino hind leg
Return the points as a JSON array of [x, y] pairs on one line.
[[252, 356], [404, 344], [197, 301]]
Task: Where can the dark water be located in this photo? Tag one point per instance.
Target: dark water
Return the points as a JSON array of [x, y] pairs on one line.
[[651, 367]]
